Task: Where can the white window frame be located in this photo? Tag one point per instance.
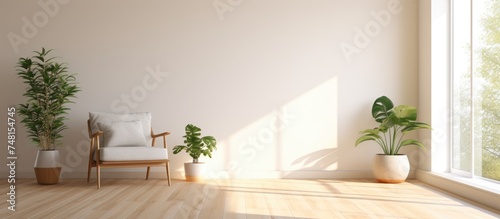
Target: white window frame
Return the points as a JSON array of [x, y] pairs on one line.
[[458, 172]]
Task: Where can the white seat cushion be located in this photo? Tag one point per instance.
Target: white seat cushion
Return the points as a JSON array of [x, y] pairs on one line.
[[133, 153]]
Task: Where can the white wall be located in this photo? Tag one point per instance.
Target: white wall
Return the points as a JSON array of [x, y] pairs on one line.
[[267, 78]]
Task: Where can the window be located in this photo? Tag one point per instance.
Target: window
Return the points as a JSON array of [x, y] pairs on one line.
[[475, 67]]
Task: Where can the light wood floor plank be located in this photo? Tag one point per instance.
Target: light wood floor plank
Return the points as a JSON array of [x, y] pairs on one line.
[[214, 203], [40, 202], [235, 207], [239, 198], [122, 210], [146, 210], [87, 204], [168, 210]]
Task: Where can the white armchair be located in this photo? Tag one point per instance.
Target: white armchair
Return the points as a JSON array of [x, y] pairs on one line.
[[124, 140]]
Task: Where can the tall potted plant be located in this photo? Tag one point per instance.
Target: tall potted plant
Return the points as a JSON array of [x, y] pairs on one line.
[[195, 146], [394, 124], [49, 89]]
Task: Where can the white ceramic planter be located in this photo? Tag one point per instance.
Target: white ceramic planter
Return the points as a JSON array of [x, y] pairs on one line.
[[391, 168], [195, 172], [47, 167]]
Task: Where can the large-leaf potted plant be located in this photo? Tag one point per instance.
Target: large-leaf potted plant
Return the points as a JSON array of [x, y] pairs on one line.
[[394, 124], [195, 146], [49, 89]]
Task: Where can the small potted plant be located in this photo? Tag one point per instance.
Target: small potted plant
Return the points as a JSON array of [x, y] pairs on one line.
[[195, 146], [394, 124], [49, 89]]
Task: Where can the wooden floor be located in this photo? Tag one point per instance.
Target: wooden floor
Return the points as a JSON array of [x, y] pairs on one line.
[[268, 198]]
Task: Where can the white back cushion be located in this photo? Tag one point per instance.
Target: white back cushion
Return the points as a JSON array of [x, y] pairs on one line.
[[118, 134], [144, 118]]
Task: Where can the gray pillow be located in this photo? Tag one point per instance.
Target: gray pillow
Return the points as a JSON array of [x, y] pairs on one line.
[[119, 134], [102, 117]]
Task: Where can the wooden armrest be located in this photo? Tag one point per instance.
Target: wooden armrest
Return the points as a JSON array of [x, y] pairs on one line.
[[97, 134], [160, 134], [163, 134], [94, 141]]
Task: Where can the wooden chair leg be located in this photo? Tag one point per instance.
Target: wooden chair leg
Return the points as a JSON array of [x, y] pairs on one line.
[[89, 170], [168, 173], [147, 173], [98, 170]]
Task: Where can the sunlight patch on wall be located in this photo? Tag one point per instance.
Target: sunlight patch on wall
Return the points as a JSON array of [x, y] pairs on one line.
[[300, 135], [310, 142]]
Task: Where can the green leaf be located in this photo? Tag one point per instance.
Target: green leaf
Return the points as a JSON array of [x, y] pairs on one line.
[[368, 135], [408, 142], [366, 138], [195, 144], [405, 112], [49, 89], [415, 126], [381, 108], [395, 122], [178, 148]]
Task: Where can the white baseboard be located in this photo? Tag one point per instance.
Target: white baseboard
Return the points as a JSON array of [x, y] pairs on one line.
[[485, 197]]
